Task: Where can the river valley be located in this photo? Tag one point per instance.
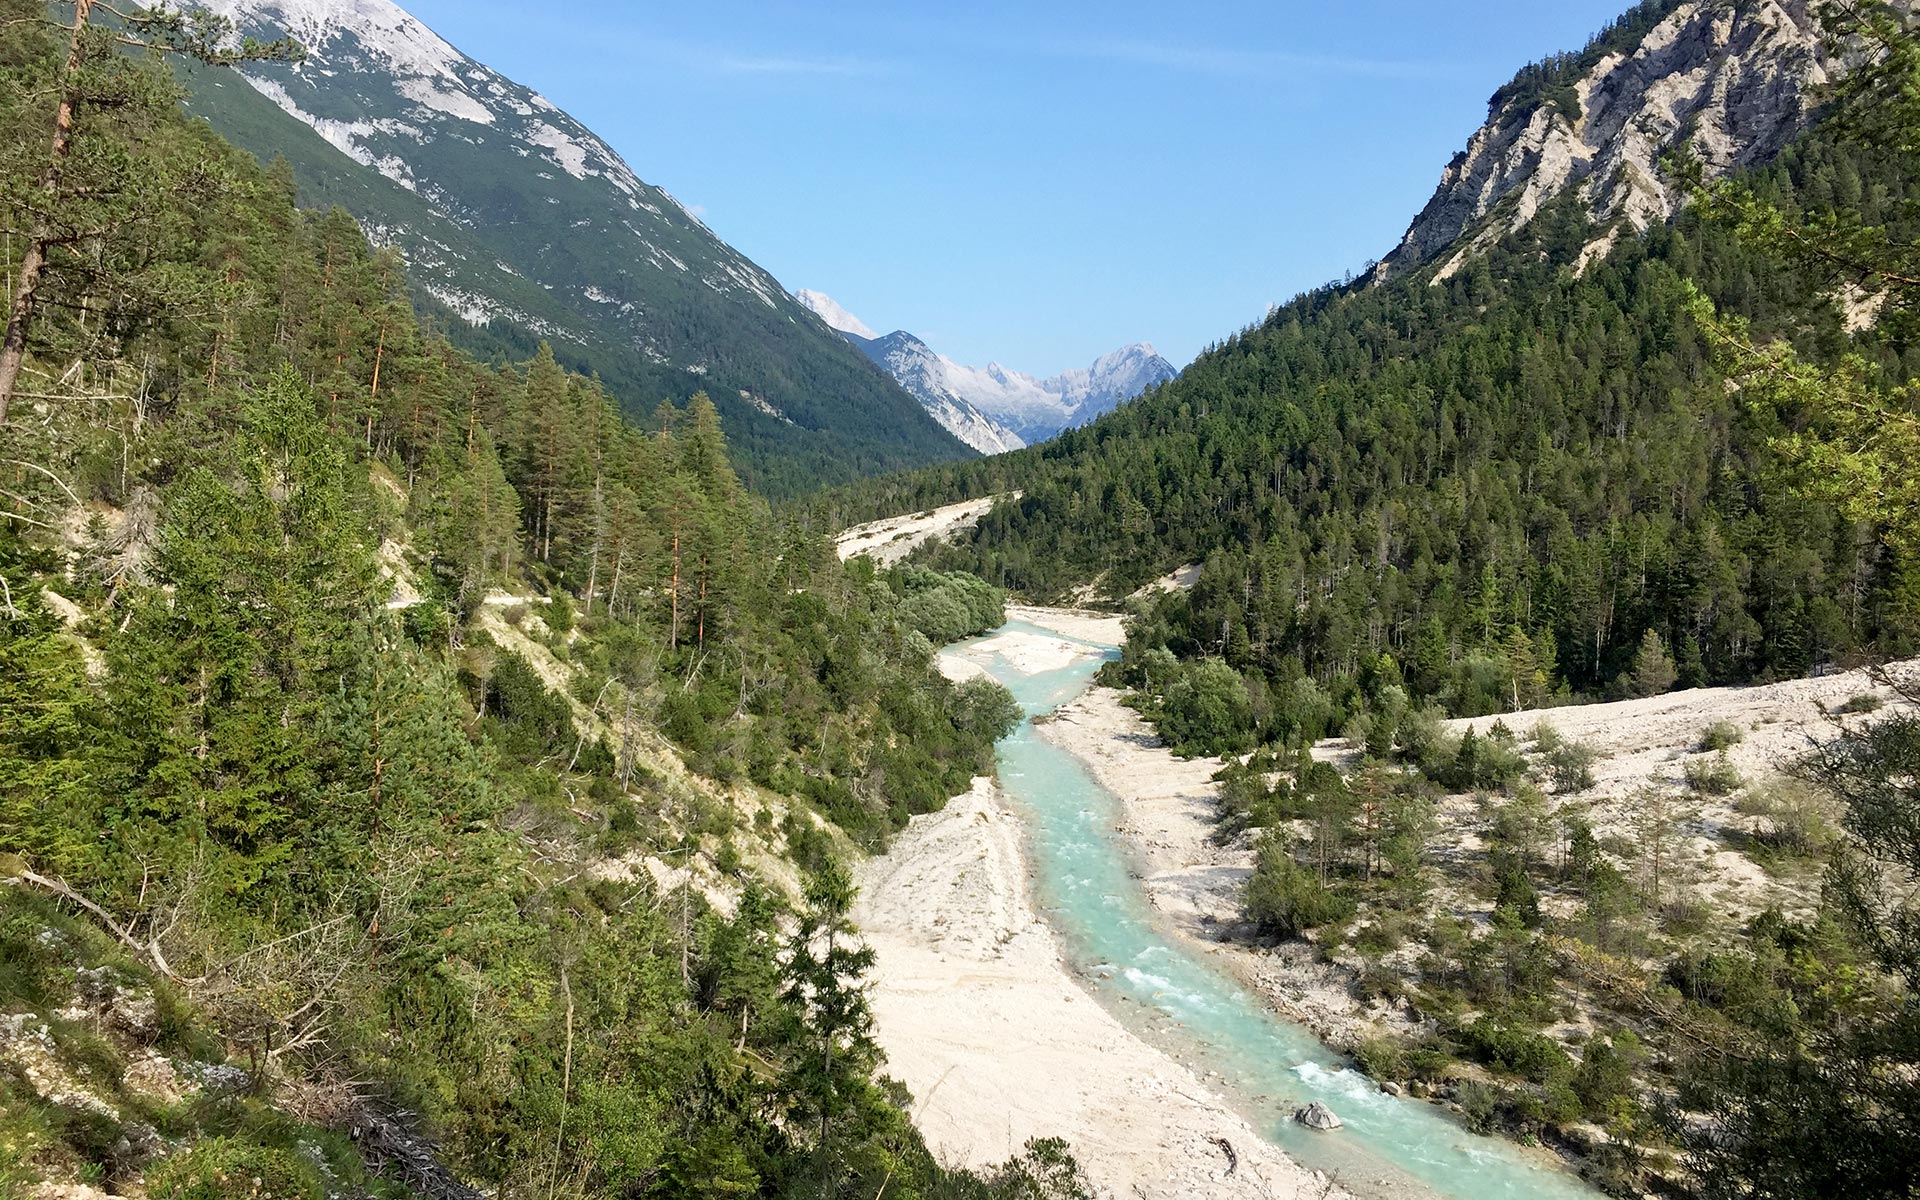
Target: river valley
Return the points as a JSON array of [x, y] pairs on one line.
[[1026, 987]]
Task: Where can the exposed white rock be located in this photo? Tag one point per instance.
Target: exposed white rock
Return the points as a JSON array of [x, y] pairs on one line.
[[889, 540], [1317, 1116], [1734, 83], [454, 102]]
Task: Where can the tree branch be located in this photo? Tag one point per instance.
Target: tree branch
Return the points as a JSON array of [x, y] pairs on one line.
[[60, 887]]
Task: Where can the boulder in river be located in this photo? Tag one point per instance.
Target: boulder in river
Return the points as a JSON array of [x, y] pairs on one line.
[[1317, 1116]]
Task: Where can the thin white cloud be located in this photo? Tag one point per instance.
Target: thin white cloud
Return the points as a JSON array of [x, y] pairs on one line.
[[1217, 60], [787, 64]]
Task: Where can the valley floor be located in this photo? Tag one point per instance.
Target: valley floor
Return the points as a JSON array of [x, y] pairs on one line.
[[982, 1019]]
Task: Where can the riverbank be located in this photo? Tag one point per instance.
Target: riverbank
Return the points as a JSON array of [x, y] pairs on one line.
[[1194, 885], [1717, 862], [983, 1019]]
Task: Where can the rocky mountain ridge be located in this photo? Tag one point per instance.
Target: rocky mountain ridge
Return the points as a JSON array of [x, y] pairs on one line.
[[1732, 82]]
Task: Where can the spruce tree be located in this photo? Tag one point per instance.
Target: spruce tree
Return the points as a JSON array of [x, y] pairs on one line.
[[824, 995], [1653, 671]]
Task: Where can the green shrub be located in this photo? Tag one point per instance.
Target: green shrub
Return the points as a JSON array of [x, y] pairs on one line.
[[1479, 1106], [1206, 710], [1532, 1056], [947, 607], [1721, 735], [426, 623], [1381, 1057], [1284, 899], [1716, 776], [1560, 1104], [1865, 702], [223, 1169], [1604, 1079], [1489, 762], [1569, 766], [530, 719], [985, 710], [558, 613], [1429, 1063], [1796, 817]]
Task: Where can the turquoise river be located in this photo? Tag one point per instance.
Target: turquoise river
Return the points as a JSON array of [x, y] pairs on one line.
[[1170, 993]]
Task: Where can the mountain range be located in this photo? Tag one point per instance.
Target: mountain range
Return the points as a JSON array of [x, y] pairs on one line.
[[995, 408], [518, 224]]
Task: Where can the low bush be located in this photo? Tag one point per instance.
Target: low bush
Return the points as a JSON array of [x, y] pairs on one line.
[[1531, 1056], [1716, 776], [1284, 899], [1721, 735], [1793, 819], [1568, 766], [1604, 1079]]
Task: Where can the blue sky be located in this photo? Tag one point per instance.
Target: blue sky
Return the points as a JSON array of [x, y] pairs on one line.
[[1035, 183]]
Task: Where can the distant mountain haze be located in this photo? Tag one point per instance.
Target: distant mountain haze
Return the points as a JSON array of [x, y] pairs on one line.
[[994, 408]]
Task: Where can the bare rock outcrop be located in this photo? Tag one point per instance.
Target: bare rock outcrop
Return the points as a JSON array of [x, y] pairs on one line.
[[1733, 82]]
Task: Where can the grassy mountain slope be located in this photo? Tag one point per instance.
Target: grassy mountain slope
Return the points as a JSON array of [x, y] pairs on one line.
[[521, 226]]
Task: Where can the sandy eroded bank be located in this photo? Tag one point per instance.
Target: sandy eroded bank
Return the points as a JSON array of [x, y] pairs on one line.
[[890, 540]]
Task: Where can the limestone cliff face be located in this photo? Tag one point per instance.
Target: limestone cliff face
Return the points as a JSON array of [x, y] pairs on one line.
[[1734, 79]]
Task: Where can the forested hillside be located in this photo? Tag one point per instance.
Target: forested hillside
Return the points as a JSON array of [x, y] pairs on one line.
[[399, 745], [1504, 482]]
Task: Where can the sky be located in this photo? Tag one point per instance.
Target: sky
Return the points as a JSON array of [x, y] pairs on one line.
[[1034, 183]]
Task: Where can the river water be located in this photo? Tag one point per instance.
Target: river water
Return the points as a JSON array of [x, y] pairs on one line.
[[1170, 993]]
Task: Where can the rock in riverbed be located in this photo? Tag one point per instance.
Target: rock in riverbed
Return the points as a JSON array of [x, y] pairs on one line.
[[1317, 1116]]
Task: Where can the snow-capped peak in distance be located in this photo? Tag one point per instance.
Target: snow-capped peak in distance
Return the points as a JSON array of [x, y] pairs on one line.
[[828, 309], [996, 408], [1036, 409]]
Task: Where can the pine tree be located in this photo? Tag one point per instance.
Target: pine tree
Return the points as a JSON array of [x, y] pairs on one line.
[[99, 175], [46, 731], [549, 446], [824, 995], [227, 673]]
